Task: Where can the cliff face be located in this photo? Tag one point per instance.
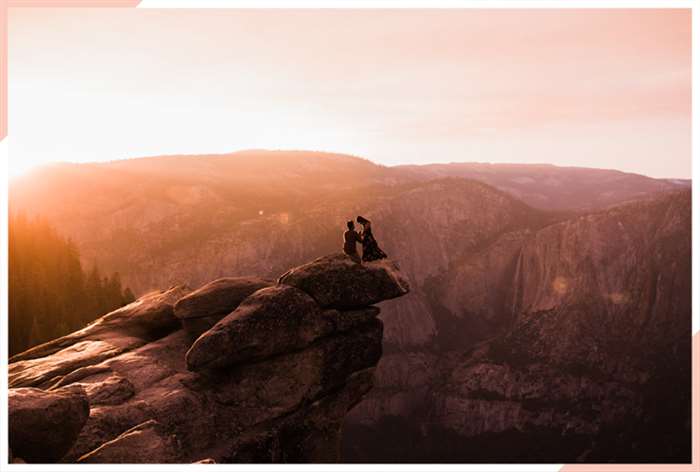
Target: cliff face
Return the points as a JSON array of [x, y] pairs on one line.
[[572, 342], [242, 369], [601, 327]]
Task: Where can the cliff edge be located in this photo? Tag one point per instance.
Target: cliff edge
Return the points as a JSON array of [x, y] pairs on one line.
[[240, 370]]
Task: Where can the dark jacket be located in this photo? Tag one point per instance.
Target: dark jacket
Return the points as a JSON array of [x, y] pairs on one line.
[[351, 238]]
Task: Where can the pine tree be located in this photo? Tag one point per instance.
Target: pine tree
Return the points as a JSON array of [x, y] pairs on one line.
[[128, 296], [49, 293]]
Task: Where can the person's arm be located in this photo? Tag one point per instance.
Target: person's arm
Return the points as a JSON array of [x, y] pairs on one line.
[[359, 237]]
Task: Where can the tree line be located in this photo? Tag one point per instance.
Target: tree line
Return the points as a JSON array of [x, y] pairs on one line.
[[50, 294]]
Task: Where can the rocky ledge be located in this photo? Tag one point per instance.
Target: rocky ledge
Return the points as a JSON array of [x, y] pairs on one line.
[[240, 370]]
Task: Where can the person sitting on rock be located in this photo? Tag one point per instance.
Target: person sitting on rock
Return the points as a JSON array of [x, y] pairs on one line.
[[351, 238], [370, 248]]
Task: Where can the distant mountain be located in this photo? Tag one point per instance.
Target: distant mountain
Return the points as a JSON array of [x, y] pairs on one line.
[[483, 265], [551, 187], [681, 183], [181, 208]]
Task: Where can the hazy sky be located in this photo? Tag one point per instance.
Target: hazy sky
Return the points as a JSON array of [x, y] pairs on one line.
[[595, 88]]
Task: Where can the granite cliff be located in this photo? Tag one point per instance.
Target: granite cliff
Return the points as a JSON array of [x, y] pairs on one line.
[[242, 369], [569, 342]]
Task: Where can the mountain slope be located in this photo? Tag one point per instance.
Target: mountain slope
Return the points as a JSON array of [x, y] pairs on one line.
[[553, 187]]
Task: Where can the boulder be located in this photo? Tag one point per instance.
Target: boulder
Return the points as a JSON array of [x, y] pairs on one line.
[[150, 317], [43, 425], [336, 281], [272, 320], [201, 309]]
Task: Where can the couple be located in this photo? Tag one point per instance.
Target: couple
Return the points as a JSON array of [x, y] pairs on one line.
[[370, 248]]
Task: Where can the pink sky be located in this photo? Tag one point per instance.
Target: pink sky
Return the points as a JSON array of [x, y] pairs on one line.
[[594, 88]]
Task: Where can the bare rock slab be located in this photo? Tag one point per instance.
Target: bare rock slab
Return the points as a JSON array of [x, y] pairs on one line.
[[147, 443], [336, 281], [201, 309]]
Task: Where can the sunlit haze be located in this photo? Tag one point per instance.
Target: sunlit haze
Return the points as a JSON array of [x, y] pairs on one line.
[[593, 88]]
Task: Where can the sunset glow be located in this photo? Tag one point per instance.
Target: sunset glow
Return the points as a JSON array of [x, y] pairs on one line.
[[594, 88]]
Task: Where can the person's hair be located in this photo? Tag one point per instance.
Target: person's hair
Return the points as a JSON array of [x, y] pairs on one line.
[[362, 220], [351, 225]]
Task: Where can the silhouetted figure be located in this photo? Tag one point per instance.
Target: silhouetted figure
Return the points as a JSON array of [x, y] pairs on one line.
[[351, 238], [370, 248]]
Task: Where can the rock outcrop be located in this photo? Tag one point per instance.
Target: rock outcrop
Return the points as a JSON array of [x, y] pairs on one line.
[[338, 282], [44, 424], [271, 377]]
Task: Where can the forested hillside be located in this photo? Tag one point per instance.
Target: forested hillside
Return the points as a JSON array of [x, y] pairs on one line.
[[49, 292]]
